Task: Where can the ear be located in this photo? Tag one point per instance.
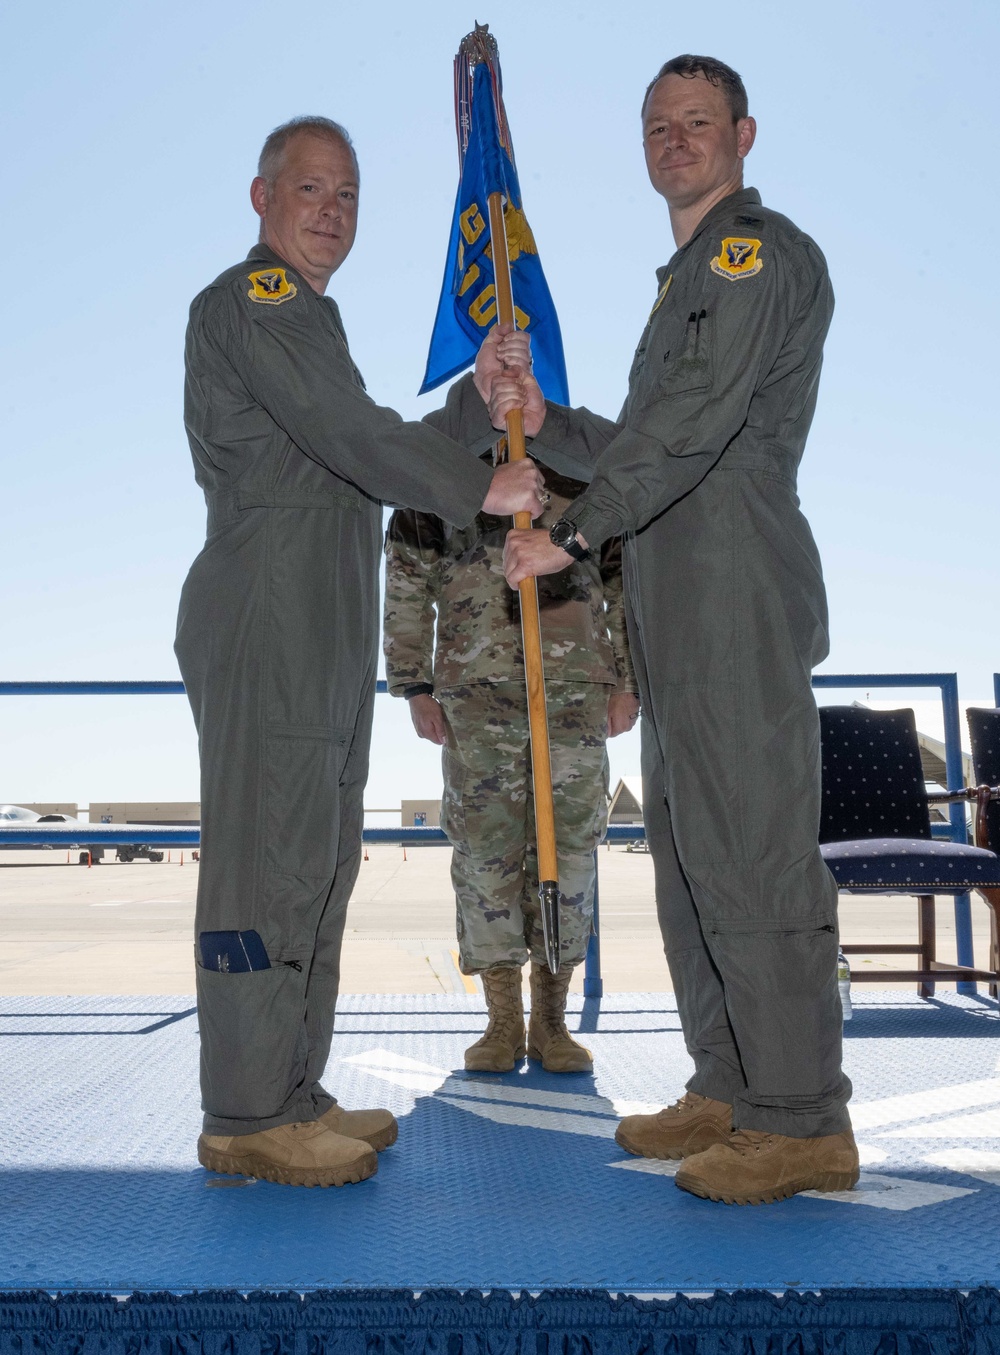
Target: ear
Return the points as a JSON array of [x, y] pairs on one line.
[[746, 135], [258, 196]]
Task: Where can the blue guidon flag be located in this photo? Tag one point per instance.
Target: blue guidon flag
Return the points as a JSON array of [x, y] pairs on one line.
[[467, 310]]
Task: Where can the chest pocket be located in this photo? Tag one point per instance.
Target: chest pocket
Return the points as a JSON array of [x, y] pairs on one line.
[[639, 361], [689, 366]]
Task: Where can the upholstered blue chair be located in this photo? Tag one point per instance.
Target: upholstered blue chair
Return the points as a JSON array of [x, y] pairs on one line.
[[875, 835], [984, 735]]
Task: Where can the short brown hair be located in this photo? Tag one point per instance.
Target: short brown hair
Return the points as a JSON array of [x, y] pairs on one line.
[[715, 72], [273, 151]]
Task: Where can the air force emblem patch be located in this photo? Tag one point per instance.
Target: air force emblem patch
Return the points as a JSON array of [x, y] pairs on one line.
[[737, 259], [271, 287]]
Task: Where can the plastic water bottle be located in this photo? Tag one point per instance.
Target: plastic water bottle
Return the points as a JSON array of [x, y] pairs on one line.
[[844, 984]]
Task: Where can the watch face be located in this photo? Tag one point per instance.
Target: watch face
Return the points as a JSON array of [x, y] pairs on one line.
[[562, 533]]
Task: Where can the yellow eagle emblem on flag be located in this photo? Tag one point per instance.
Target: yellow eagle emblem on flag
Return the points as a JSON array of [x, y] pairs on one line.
[[271, 287], [737, 259], [519, 237]]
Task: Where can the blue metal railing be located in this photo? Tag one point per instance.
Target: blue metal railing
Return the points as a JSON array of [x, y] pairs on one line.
[[107, 688], [947, 683], [593, 984]]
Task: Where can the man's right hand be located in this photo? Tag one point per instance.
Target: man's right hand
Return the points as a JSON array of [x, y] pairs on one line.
[[517, 487], [503, 378], [428, 717]]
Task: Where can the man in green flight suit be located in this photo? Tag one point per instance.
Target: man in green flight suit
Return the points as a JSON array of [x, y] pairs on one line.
[[727, 617], [277, 641], [463, 678]]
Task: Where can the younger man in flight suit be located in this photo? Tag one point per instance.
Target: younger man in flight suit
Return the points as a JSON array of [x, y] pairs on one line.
[[727, 617]]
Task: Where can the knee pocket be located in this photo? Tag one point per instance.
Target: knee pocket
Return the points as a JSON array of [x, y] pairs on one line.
[[784, 959], [479, 819]]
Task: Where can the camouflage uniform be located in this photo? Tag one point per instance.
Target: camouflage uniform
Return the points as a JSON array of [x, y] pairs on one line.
[[476, 671]]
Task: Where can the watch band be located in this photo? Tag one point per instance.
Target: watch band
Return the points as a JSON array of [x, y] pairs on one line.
[[577, 551]]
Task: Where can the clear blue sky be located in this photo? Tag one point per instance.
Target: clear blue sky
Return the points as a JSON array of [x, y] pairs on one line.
[[131, 138]]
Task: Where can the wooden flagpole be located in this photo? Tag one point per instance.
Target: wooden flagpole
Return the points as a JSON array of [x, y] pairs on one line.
[[531, 634]]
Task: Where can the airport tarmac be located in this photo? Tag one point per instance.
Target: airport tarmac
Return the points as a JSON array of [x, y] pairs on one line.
[[127, 929]]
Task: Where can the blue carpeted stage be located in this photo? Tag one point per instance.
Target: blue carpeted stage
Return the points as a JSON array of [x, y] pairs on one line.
[[506, 1205]]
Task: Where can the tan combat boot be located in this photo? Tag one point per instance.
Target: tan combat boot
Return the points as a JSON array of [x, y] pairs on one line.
[[757, 1168], [377, 1127], [305, 1153], [548, 1039], [689, 1126], [502, 1043]]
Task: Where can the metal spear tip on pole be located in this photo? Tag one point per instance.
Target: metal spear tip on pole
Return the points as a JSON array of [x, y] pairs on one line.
[[548, 893]]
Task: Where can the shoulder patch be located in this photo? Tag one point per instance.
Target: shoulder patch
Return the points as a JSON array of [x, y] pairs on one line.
[[738, 258], [271, 287]]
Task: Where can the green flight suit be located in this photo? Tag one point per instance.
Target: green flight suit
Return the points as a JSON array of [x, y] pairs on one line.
[[277, 641], [727, 617]]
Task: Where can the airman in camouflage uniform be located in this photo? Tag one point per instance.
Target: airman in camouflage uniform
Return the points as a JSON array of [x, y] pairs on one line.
[[467, 691]]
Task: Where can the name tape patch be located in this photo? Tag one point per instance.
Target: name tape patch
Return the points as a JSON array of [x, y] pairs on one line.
[[661, 296], [271, 287], [738, 258]]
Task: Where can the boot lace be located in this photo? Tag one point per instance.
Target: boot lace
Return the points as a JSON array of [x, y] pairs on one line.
[[747, 1141], [689, 1101]]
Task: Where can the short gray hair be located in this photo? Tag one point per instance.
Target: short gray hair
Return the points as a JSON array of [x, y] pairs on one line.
[[273, 151]]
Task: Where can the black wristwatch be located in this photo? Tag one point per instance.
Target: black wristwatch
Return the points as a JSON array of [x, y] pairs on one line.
[[563, 534]]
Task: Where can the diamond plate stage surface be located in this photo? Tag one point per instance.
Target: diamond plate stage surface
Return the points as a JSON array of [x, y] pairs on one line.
[[497, 1182]]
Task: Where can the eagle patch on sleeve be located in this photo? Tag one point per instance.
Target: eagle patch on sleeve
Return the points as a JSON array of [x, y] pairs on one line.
[[737, 259], [271, 287]]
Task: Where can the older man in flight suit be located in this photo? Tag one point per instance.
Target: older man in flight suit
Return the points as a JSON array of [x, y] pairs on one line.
[[277, 641], [727, 616]]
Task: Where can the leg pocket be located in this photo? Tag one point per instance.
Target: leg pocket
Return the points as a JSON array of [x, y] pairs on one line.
[[304, 769], [452, 803], [253, 1041]]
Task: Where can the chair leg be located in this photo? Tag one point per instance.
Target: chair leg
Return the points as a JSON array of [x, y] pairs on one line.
[[927, 940], [992, 897]]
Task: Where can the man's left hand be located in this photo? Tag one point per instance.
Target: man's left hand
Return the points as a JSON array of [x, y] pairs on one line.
[[528, 553]]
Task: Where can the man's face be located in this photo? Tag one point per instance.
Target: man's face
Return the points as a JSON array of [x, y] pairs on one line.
[[693, 147], [310, 215]]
